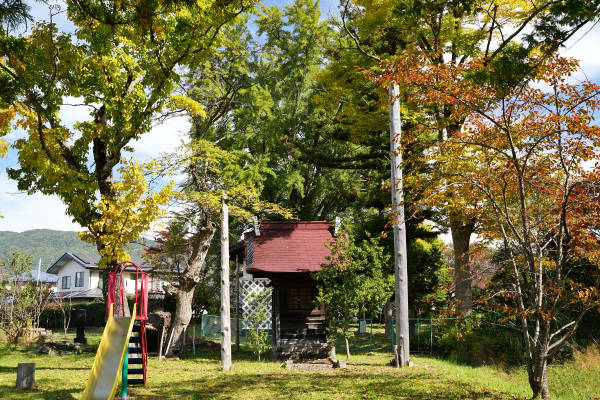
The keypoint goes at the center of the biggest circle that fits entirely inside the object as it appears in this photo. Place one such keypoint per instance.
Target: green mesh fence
(362, 339)
(422, 333)
(366, 336)
(210, 328)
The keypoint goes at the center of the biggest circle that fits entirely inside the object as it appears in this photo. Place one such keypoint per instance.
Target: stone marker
(25, 375)
(80, 338)
(362, 326)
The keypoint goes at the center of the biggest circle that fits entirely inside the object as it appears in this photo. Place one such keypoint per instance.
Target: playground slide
(106, 371)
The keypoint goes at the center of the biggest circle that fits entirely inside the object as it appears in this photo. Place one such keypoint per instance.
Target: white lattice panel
(255, 286)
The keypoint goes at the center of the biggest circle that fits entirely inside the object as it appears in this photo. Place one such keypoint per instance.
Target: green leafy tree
(209, 173)
(272, 114)
(260, 306)
(526, 157)
(13, 14)
(22, 298)
(409, 38)
(352, 282)
(352, 135)
(236, 142)
(122, 63)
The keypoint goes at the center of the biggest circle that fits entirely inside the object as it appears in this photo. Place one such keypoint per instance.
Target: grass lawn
(367, 377)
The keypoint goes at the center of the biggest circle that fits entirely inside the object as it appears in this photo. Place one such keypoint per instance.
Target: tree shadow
(12, 392)
(320, 385)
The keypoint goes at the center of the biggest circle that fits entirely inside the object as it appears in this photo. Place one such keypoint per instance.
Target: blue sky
(24, 212)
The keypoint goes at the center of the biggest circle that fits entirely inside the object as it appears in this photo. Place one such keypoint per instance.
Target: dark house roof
(94, 293)
(288, 246)
(35, 276)
(91, 262)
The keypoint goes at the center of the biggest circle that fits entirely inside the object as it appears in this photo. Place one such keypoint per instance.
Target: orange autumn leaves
(524, 155)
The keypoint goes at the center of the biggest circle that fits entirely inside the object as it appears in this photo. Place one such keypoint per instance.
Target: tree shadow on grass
(243, 355)
(319, 385)
(11, 392)
(8, 370)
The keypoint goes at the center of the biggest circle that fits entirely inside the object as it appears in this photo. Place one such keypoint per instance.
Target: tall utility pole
(400, 270)
(225, 302)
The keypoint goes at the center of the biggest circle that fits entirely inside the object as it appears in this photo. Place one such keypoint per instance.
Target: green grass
(367, 377)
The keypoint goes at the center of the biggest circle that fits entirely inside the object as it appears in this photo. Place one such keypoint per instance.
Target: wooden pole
(401, 275)
(237, 304)
(169, 343)
(194, 339)
(160, 345)
(225, 301)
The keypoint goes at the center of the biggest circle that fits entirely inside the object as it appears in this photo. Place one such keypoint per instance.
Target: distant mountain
(49, 245)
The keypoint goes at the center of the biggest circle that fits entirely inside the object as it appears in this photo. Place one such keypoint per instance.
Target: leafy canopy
(121, 64)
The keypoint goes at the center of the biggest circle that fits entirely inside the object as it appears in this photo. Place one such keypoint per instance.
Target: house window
(299, 299)
(100, 280)
(66, 282)
(78, 279)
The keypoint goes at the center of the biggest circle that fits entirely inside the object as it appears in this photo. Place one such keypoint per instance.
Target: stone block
(26, 375)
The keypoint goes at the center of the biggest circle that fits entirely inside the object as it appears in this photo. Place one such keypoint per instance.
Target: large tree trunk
(188, 281)
(183, 316)
(538, 374)
(388, 313)
(461, 238)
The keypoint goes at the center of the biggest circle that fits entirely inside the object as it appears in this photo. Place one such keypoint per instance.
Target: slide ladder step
(135, 361)
(135, 381)
(135, 371)
(135, 350)
(135, 339)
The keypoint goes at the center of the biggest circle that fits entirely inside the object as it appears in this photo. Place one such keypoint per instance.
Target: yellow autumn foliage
(3, 148)
(186, 103)
(6, 117)
(127, 214)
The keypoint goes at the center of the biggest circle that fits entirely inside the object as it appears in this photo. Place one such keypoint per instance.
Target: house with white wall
(79, 277)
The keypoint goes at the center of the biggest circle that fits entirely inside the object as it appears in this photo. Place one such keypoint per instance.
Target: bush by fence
(52, 317)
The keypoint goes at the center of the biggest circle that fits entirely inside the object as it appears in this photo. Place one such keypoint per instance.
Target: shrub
(95, 315)
(478, 345)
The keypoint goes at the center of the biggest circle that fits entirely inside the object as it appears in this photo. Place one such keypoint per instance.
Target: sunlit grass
(367, 377)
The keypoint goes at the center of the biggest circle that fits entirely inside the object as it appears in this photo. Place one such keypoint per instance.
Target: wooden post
(237, 304)
(401, 274)
(194, 339)
(169, 342)
(225, 301)
(275, 320)
(160, 345)
(26, 375)
(80, 338)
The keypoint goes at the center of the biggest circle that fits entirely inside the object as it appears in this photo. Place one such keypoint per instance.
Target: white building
(80, 278)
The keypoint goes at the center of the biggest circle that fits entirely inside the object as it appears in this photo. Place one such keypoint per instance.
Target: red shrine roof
(288, 246)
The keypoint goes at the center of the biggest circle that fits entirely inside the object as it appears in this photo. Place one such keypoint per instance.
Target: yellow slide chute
(106, 371)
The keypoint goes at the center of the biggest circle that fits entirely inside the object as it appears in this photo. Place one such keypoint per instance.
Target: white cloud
(163, 138)
(23, 212)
